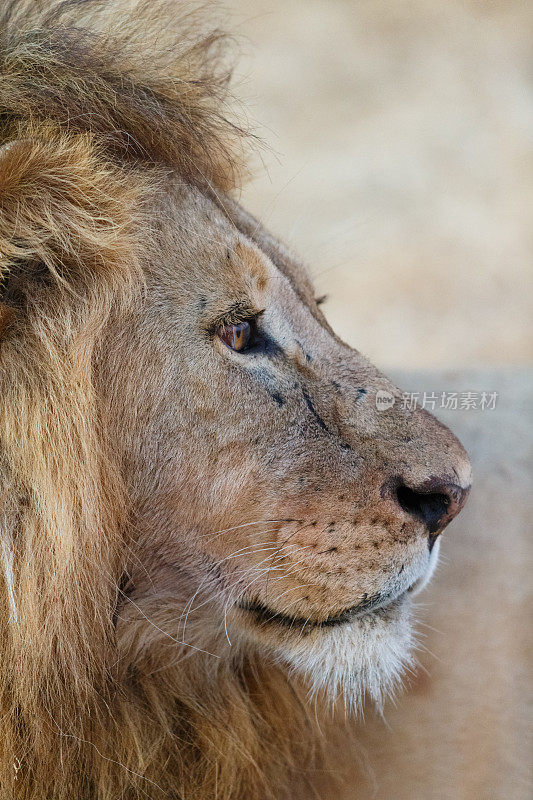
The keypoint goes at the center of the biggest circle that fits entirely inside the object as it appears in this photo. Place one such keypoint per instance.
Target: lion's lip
(264, 615)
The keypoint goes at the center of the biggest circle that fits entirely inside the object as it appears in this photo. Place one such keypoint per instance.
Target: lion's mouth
(264, 615)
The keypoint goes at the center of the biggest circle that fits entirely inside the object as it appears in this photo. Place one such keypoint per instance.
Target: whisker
(106, 758)
(291, 589)
(216, 534)
(165, 633)
(190, 603)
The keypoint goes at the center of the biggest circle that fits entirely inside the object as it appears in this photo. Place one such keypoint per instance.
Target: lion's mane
(95, 107)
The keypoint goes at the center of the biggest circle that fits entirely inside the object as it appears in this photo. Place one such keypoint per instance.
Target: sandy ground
(399, 164)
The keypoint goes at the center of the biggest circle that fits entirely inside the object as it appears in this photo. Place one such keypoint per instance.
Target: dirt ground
(398, 162)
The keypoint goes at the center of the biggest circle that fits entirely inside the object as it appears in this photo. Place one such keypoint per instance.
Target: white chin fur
(350, 662)
(432, 563)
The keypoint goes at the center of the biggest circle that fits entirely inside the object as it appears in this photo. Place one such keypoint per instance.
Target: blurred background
(398, 164)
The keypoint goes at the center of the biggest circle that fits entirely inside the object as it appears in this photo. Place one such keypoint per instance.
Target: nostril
(435, 502)
(429, 507)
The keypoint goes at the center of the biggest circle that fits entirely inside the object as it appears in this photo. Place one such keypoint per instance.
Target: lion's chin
(364, 658)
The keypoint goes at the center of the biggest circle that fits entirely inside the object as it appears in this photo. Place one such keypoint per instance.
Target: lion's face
(273, 502)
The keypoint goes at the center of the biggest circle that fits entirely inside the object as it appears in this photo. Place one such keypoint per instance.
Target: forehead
(213, 247)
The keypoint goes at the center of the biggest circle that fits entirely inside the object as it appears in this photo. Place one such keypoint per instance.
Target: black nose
(435, 503)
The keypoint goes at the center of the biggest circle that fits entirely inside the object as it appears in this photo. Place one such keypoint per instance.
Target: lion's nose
(435, 503)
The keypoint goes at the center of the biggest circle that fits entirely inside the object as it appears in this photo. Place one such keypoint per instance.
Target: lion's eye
(235, 336)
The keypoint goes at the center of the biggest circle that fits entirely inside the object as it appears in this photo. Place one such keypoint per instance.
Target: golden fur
(158, 489)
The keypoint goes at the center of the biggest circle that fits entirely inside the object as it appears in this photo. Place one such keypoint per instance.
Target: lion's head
(200, 489)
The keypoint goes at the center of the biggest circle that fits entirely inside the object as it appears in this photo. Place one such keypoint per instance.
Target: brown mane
(90, 121)
(148, 83)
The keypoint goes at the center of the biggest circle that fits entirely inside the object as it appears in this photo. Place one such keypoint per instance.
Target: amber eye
(235, 336)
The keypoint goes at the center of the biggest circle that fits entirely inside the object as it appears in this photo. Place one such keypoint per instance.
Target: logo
(384, 400)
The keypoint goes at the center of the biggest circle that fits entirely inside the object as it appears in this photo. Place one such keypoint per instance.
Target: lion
(215, 514)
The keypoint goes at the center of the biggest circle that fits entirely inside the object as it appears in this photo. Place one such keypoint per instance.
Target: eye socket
(237, 336)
